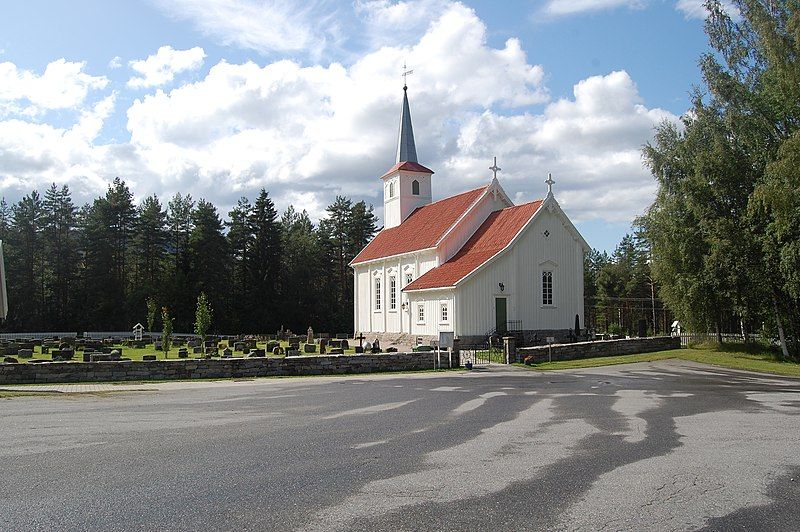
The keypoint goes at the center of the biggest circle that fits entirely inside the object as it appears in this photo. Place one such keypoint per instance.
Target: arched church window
(415, 187)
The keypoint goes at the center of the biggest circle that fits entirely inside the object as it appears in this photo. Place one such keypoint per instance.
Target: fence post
(510, 345)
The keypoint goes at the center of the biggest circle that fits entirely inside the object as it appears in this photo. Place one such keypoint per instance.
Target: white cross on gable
(494, 168)
(550, 184)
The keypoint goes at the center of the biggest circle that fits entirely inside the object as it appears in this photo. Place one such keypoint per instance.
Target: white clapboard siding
(519, 269)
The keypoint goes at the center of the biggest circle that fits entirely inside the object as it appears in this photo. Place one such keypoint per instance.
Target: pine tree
(264, 263)
(60, 246)
(208, 250)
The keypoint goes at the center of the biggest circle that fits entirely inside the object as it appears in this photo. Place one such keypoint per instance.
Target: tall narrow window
(392, 293)
(377, 293)
(444, 313)
(421, 313)
(547, 288)
(409, 278)
(391, 189)
(415, 187)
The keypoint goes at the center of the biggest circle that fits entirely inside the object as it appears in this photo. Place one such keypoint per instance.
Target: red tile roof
(491, 237)
(409, 167)
(421, 230)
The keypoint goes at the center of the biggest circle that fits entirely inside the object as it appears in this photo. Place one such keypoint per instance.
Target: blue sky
(303, 98)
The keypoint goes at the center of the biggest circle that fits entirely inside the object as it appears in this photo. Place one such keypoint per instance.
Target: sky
(219, 98)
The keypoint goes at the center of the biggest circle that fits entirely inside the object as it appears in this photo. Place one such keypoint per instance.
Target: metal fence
(37, 335)
(728, 338)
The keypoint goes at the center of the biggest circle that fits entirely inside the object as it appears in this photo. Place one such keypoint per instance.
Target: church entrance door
(500, 315)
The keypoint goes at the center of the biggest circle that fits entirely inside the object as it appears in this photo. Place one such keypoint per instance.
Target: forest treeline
(94, 267)
(724, 230)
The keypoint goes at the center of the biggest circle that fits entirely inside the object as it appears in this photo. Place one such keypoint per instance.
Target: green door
(500, 315)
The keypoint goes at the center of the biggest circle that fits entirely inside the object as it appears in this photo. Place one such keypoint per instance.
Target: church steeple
(407, 185)
(406, 149)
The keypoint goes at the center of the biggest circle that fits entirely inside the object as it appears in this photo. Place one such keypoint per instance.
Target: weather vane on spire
(494, 168)
(550, 184)
(405, 74)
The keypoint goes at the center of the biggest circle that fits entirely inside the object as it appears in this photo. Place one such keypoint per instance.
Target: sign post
(446, 340)
(550, 340)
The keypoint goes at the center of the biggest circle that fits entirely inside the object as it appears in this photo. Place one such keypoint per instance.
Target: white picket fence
(728, 338)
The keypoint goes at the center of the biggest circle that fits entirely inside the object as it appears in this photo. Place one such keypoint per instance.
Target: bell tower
(407, 185)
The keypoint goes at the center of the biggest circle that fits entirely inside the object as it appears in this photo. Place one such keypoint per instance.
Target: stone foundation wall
(62, 372)
(603, 348)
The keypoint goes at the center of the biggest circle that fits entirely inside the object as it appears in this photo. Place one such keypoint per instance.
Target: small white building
(473, 263)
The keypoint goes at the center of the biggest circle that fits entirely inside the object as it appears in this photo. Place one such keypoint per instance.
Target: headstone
(345, 344)
(277, 350)
(148, 357)
(197, 350)
(238, 346)
(183, 353)
(227, 352)
(10, 360)
(310, 348)
(271, 346)
(310, 335)
(322, 348)
(292, 353)
(25, 353)
(391, 350)
(115, 354)
(337, 351)
(359, 350)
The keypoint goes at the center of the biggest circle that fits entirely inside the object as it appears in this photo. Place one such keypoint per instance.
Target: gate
(484, 353)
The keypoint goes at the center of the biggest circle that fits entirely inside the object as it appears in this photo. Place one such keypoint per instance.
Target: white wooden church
(473, 263)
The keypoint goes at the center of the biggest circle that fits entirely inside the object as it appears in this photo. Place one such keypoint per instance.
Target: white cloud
(160, 68)
(261, 25)
(63, 85)
(307, 133)
(571, 7)
(115, 62)
(696, 9)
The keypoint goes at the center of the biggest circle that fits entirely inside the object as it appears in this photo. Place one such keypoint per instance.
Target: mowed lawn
(731, 356)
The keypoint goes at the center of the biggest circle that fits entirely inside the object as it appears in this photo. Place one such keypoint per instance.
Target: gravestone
(271, 346)
(277, 350)
(115, 354)
(292, 353)
(391, 350)
(359, 350)
(25, 353)
(10, 360)
(183, 352)
(310, 348)
(227, 352)
(310, 335)
(197, 349)
(148, 358)
(337, 351)
(238, 346)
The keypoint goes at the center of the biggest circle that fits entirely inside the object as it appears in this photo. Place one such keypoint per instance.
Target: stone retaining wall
(61, 372)
(603, 348)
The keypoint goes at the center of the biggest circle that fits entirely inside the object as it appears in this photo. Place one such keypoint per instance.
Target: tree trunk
(745, 334)
(781, 335)
(718, 326)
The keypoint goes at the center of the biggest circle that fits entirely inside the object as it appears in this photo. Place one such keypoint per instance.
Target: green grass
(732, 356)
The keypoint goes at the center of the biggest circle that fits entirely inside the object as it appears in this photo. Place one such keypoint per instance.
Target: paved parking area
(663, 445)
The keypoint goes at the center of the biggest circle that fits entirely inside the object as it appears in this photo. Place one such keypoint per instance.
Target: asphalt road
(663, 446)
